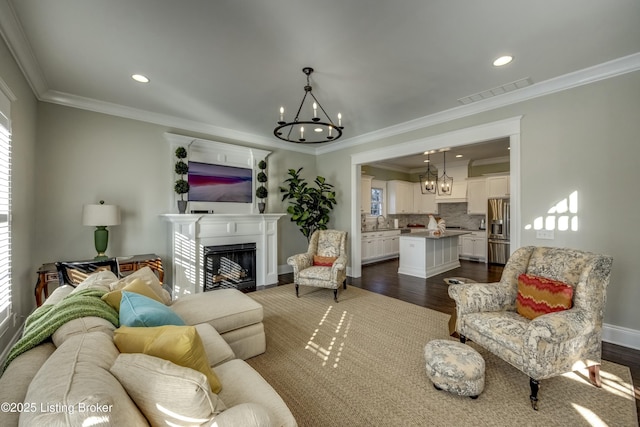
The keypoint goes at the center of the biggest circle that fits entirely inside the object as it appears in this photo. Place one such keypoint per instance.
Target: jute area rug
(360, 363)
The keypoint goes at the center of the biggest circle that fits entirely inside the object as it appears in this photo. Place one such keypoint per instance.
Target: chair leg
(344, 284)
(594, 375)
(297, 296)
(335, 295)
(534, 384)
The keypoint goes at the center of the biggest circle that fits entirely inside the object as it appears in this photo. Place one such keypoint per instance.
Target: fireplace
(230, 266)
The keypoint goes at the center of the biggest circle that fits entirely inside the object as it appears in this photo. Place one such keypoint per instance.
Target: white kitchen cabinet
(498, 186)
(477, 196)
(365, 193)
(399, 197)
(458, 193)
(380, 245)
(474, 246)
(423, 203)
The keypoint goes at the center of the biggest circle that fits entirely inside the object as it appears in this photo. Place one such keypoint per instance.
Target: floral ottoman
(455, 367)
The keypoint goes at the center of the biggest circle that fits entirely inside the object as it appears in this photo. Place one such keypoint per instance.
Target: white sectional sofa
(79, 377)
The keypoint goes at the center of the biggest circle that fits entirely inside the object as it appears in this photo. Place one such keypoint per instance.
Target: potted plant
(182, 186)
(309, 207)
(262, 192)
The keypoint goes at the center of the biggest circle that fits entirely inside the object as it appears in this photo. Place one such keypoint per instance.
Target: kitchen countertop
(428, 235)
(380, 229)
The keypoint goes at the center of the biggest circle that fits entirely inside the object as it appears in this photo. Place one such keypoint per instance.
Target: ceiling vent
(508, 87)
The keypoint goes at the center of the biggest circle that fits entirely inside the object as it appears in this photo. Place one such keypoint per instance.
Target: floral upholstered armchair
(554, 342)
(325, 262)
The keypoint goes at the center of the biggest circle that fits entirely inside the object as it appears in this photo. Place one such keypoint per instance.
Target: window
(376, 201)
(5, 211)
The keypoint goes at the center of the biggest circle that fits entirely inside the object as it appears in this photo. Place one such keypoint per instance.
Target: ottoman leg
(437, 388)
(298, 296)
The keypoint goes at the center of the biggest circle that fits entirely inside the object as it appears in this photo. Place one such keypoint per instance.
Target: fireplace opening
(230, 266)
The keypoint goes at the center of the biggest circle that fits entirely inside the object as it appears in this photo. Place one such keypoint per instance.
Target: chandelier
(429, 180)
(445, 182)
(316, 130)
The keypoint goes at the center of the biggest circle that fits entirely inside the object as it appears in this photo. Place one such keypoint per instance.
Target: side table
(48, 274)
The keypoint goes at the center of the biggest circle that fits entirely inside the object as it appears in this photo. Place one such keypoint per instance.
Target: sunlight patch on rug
(324, 352)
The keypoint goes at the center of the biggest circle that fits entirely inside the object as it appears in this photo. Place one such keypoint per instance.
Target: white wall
(585, 140)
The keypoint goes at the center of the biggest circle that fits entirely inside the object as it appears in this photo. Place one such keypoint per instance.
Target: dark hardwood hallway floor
(383, 278)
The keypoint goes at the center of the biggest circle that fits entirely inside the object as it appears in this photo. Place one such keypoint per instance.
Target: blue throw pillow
(139, 310)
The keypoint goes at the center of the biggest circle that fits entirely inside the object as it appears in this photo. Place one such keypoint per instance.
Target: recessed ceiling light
(458, 155)
(503, 60)
(426, 161)
(140, 78)
(318, 129)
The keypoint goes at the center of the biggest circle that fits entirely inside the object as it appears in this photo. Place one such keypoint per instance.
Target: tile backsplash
(454, 214)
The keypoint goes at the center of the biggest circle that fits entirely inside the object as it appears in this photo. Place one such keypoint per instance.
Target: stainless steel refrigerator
(499, 224)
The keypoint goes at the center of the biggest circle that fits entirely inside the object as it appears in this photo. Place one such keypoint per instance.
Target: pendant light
(445, 182)
(428, 180)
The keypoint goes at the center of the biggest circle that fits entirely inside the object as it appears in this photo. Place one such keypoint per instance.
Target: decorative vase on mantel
(262, 206)
(182, 206)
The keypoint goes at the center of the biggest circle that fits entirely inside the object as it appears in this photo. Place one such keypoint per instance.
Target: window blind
(5, 212)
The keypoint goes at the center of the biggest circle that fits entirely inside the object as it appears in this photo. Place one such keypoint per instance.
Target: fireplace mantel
(190, 233)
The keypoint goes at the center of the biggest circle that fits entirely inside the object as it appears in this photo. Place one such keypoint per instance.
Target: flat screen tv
(218, 183)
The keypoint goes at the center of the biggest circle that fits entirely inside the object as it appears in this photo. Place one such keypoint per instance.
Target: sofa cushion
(147, 276)
(238, 377)
(224, 309)
(82, 325)
(74, 387)
(245, 415)
(539, 295)
(101, 279)
(217, 349)
(179, 344)
(16, 379)
(167, 394)
(137, 286)
(138, 310)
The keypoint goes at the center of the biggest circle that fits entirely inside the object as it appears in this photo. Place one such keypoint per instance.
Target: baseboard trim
(619, 335)
(285, 269)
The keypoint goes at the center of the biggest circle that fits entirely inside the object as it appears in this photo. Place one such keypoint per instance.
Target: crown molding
(19, 46)
(493, 161)
(606, 70)
(118, 110)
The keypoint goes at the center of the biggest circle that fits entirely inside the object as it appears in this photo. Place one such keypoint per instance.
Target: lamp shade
(100, 215)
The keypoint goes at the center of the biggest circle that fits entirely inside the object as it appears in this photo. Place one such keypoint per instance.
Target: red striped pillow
(539, 295)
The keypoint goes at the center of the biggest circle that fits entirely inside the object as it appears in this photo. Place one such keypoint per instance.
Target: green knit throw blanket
(46, 319)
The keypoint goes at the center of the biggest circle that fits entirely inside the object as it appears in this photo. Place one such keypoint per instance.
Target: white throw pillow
(147, 276)
(167, 394)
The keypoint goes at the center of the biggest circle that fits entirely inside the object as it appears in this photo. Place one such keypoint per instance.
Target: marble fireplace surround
(231, 223)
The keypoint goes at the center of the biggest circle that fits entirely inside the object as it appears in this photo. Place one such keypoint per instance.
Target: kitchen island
(425, 255)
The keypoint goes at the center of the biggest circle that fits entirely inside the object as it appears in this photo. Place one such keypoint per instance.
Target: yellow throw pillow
(178, 344)
(137, 286)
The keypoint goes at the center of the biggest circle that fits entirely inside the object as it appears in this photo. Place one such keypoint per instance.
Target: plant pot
(261, 206)
(182, 206)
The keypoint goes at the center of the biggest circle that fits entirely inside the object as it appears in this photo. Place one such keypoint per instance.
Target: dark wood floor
(383, 278)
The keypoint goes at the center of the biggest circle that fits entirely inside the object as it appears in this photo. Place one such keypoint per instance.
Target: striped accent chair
(549, 344)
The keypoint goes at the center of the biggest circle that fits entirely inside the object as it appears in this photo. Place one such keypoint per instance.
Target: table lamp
(101, 216)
